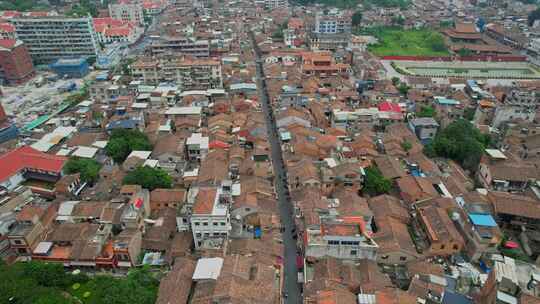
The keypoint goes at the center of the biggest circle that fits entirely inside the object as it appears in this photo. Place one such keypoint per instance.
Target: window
(222, 223)
(402, 258)
(197, 223)
(332, 242)
(18, 242)
(215, 223)
(353, 252)
(455, 247)
(205, 223)
(384, 257)
(206, 234)
(198, 235)
(442, 246)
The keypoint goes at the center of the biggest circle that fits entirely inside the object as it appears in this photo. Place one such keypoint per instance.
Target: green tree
(403, 89)
(406, 145)
(149, 178)
(426, 111)
(356, 18)
(122, 142)
(460, 141)
(375, 183)
(395, 81)
(464, 52)
(87, 167)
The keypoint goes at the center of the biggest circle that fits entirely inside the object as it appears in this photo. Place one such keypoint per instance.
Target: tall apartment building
(49, 38)
(186, 72)
(182, 45)
(127, 11)
(15, 63)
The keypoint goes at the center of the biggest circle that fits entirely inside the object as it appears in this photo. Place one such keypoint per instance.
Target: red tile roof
(27, 157)
(389, 107)
(7, 43)
(7, 27)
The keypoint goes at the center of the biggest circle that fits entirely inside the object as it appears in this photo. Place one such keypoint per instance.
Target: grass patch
(395, 41)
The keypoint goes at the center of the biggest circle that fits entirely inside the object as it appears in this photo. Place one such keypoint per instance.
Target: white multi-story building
(273, 4)
(197, 146)
(127, 11)
(49, 38)
(332, 22)
(210, 217)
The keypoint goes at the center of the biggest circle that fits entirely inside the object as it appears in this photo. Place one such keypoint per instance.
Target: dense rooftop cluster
(407, 165)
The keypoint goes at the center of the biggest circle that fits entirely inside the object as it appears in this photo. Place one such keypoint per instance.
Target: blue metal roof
(482, 220)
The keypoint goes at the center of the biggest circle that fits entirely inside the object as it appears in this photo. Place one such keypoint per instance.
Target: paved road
(291, 288)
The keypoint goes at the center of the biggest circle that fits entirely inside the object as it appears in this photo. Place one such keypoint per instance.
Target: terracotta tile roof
(27, 157)
(167, 196)
(389, 206)
(513, 204)
(204, 203)
(175, 287)
(8, 43)
(28, 213)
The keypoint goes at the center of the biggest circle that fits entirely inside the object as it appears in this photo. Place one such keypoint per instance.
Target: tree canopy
(426, 111)
(375, 183)
(122, 142)
(88, 168)
(356, 18)
(460, 141)
(49, 283)
(149, 178)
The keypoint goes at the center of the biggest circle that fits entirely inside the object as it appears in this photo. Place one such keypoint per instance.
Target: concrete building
(425, 128)
(210, 218)
(197, 146)
(187, 73)
(520, 105)
(15, 63)
(180, 45)
(332, 22)
(273, 4)
(127, 11)
(49, 38)
(345, 238)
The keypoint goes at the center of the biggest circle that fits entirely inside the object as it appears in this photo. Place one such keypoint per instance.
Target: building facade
(188, 74)
(15, 63)
(50, 38)
(182, 45)
(128, 12)
(210, 218)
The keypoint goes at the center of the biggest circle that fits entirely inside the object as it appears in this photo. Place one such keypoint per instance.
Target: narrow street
(291, 287)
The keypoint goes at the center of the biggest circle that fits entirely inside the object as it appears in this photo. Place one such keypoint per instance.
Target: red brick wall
(17, 65)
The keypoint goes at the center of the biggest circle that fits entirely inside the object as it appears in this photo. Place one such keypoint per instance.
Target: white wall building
(210, 218)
